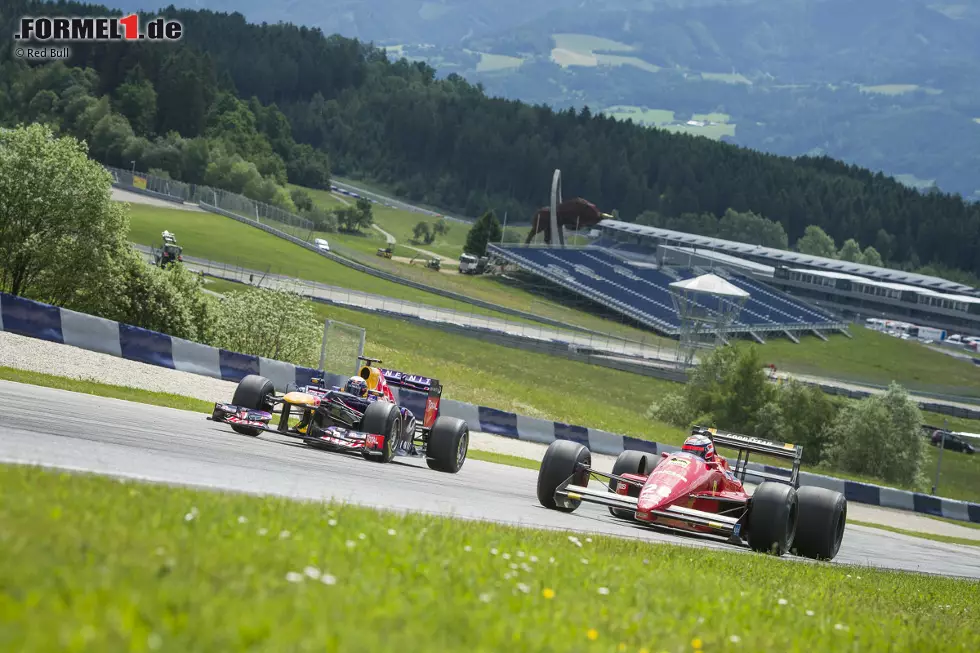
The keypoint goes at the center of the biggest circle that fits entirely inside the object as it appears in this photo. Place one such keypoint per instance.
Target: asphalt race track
(111, 436)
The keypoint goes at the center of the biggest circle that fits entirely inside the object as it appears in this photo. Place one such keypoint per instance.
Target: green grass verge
(93, 563)
(928, 536)
(876, 358)
(955, 521)
(105, 390)
(503, 459)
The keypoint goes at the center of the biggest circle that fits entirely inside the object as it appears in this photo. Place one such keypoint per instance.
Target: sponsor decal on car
(374, 441)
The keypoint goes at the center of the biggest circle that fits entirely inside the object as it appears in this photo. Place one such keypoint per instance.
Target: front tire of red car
(560, 461)
(772, 519)
(629, 462)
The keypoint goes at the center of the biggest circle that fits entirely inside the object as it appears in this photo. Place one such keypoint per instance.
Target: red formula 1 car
(699, 492)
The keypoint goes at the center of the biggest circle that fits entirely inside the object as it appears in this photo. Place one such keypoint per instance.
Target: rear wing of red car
(746, 444)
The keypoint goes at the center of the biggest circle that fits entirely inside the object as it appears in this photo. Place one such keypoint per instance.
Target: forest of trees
(257, 105)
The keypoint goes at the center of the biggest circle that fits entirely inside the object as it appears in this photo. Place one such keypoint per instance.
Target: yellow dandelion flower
(696, 643)
(548, 593)
(593, 634)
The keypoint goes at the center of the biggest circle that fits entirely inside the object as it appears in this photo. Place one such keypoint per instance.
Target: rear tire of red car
(251, 393)
(449, 441)
(382, 418)
(559, 462)
(820, 531)
(773, 516)
(629, 462)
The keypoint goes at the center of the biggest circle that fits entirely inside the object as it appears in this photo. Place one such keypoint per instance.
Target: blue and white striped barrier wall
(37, 320)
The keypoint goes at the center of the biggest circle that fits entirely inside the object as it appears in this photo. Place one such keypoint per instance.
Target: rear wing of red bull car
(746, 444)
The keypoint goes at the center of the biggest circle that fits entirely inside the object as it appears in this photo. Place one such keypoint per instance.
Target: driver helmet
(356, 386)
(701, 446)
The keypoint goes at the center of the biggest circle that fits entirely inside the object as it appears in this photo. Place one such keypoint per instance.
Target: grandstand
(850, 289)
(638, 289)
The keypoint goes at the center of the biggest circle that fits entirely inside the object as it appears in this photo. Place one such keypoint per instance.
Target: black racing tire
(629, 462)
(252, 392)
(382, 418)
(448, 444)
(772, 519)
(558, 464)
(823, 516)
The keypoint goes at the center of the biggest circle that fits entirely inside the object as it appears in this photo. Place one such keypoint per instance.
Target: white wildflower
(327, 579)
(283, 535)
(604, 591)
(392, 531)
(485, 598)
(524, 588)
(331, 522)
(782, 601)
(312, 572)
(242, 519)
(294, 577)
(467, 548)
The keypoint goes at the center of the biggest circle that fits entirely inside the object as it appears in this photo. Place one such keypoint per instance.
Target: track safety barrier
(43, 321)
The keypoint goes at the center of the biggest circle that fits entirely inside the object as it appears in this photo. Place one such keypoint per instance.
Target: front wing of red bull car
(329, 418)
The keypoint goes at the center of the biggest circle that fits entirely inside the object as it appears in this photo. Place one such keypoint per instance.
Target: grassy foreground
(92, 563)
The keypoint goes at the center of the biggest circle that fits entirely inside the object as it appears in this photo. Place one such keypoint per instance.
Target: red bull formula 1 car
(697, 491)
(371, 424)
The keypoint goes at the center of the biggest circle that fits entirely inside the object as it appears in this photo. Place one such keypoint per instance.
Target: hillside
(304, 105)
(885, 84)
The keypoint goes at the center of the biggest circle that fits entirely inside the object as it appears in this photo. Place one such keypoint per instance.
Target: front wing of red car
(679, 516)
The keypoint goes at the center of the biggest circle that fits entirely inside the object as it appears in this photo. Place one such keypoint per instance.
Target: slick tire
(560, 462)
(772, 519)
(252, 392)
(449, 441)
(382, 418)
(820, 531)
(629, 462)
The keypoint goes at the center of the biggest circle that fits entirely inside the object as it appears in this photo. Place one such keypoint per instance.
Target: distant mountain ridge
(886, 84)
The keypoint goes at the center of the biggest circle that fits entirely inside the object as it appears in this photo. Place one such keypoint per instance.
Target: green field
(876, 358)
(494, 62)
(619, 60)
(92, 563)
(640, 115)
(712, 117)
(221, 239)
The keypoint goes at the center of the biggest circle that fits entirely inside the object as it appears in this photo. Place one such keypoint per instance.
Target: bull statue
(573, 214)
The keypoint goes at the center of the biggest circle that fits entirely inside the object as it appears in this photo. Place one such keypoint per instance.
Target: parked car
(954, 442)
(321, 244)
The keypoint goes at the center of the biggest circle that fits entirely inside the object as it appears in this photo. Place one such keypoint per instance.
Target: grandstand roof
(773, 254)
(733, 261)
(711, 284)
